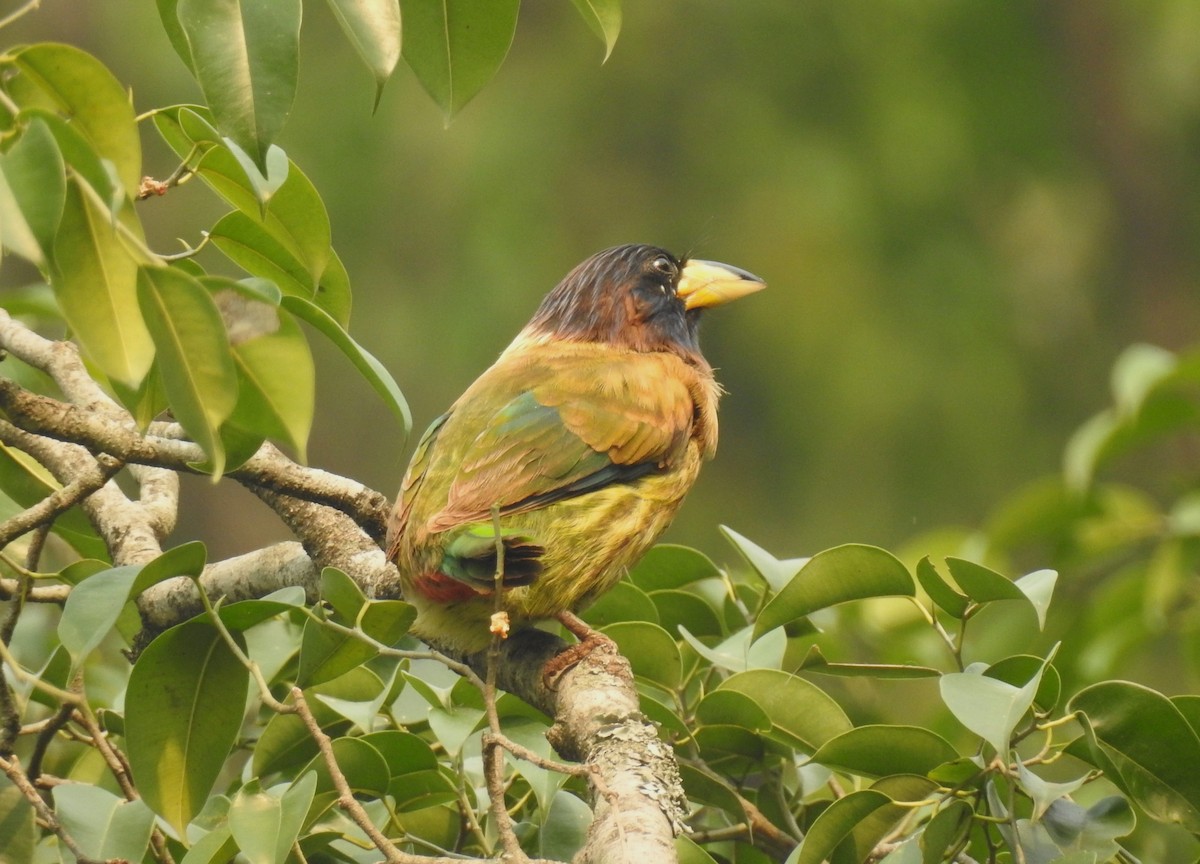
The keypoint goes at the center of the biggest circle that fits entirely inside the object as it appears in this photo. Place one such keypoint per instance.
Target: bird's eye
(663, 265)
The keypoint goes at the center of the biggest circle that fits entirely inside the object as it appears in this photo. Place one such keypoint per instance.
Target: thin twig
(59, 501)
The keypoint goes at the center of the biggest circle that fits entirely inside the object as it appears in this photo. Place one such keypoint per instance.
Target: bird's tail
(471, 557)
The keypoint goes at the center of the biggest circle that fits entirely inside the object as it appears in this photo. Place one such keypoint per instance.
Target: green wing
(574, 428)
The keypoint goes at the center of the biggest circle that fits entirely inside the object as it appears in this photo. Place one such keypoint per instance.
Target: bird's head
(639, 297)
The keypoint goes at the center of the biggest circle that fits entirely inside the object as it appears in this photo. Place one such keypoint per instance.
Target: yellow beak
(707, 283)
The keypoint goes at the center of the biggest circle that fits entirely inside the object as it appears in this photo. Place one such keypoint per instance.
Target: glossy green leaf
(373, 28)
(32, 193)
(677, 609)
(946, 831)
(774, 572)
(250, 613)
(1038, 588)
(738, 653)
(198, 372)
(835, 824)
(651, 651)
(403, 752)
(707, 788)
(78, 86)
(814, 661)
(1148, 740)
(285, 743)
(939, 591)
(215, 847)
(453, 725)
(1020, 668)
(982, 584)
(418, 790)
(169, 17)
(342, 593)
(247, 243)
(731, 708)
(668, 566)
(877, 751)
(17, 823)
(26, 482)
(455, 47)
(803, 714)
(326, 653)
(105, 827)
(875, 826)
(1092, 831)
(186, 559)
(245, 54)
(1043, 793)
(386, 621)
(92, 609)
(604, 19)
(987, 706)
(370, 368)
(624, 602)
(266, 826)
(730, 750)
(95, 280)
(184, 708)
(564, 827)
(838, 575)
(333, 290)
(277, 385)
(689, 852)
(359, 711)
(1137, 372)
(360, 763)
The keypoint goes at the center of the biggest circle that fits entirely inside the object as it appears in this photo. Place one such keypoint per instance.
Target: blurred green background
(964, 211)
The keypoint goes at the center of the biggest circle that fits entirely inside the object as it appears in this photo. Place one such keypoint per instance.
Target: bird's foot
(567, 659)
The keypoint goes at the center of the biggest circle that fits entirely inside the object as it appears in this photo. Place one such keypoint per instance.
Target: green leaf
(78, 86)
(738, 653)
(342, 593)
(939, 591)
(370, 368)
(945, 831)
(32, 192)
(679, 608)
(373, 28)
(982, 584)
(17, 823)
(26, 482)
(276, 385)
(92, 609)
(286, 743)
(814, 661)
(186, 559)
(198, 372)
(774, 572)
(731, 708)
(651, 651)
(248, 243)
(838, 575)
(215, 847)
(245, 54)
(1020, 668)
(326, 653)
(169, 16)
(625, 602)
(667, 566)
(987, 706)
(1137, 373)
(183, 711)
(802, 714)
(455, 47)
(706, 788)
(1038, 588)
(835, 824)
(604, 19)
(403, 752)
(360, 763)
(877, 751)
(1148, 740)
(105, 827)
(1092, 831)
(265, 825)
(95, 281)
(564, 827)
(1043, 793)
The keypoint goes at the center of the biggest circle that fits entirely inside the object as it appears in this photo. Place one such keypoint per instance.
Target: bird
(560, 466)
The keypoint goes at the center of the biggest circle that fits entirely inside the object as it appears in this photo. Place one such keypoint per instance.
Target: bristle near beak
(708, 283)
